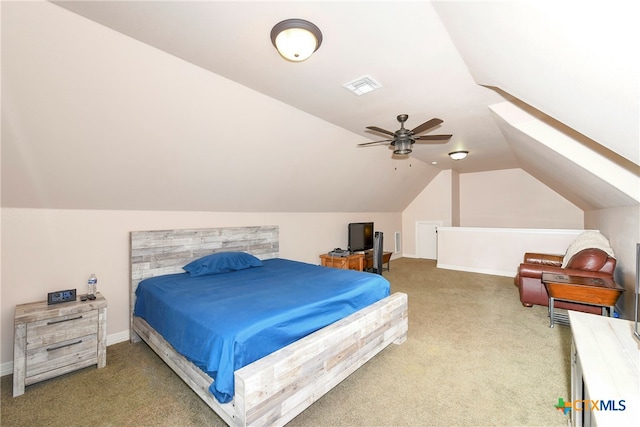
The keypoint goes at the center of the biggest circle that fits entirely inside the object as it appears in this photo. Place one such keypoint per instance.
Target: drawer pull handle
(53, 322)
(64, 345)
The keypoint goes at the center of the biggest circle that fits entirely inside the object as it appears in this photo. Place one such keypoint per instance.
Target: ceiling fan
(403, 139)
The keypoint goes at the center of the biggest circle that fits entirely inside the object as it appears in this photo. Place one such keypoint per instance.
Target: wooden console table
(359, 262)
(601, 292)
(604, 369)
(349, 262)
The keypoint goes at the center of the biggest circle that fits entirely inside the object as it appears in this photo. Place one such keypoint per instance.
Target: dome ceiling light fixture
(296, 39)
(458, 155)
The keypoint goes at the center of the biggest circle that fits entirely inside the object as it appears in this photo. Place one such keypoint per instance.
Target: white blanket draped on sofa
(587, 240)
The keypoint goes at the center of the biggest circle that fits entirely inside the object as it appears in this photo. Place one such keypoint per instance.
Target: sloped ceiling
(401, 44)
(565, 160)
(100, 120)
(577, 130)
(577, 62)
(93, 119)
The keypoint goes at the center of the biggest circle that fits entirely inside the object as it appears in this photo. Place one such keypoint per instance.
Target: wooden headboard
(159, 252)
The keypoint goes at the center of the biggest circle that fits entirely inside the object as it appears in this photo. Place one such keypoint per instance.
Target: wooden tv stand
(349, 262)
(359, 261)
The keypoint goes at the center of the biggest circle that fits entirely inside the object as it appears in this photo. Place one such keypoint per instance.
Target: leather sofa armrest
(585, 273)
(543, 259)
(535, 270)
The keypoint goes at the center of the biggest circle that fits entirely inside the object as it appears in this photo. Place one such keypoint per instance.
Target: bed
(275, 388)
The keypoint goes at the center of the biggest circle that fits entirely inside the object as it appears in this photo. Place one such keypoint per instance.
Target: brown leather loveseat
(587, 263)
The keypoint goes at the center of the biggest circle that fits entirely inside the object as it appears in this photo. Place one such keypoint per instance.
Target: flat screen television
(360, 236)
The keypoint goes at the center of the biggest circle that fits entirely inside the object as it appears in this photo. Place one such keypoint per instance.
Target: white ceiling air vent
(362, 85)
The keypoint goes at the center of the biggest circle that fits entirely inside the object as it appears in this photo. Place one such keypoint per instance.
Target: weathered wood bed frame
(276, 388)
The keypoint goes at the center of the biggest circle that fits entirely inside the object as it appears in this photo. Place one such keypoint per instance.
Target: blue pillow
(221, 262)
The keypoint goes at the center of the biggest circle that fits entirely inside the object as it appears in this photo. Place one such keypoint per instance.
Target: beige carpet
(474, 357)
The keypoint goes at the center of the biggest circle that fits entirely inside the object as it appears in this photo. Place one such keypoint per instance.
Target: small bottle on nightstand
(92, 285)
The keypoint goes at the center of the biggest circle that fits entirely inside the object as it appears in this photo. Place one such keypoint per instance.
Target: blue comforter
(223, 322)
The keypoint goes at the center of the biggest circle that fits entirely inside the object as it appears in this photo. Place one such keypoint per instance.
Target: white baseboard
(118, 337)
(7, 368)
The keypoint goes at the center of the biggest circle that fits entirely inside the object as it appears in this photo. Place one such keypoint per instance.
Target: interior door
(427, 239)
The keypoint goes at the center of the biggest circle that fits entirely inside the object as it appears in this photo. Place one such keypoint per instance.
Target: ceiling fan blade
(377, 129)
(433, 137)
(426, 125)
(376, 142)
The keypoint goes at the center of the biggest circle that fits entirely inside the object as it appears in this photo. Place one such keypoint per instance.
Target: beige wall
(455, 199)
(513, 198)
(44, 250)
(505, 198)
(433, 204)
(93, 119)
(622, 227)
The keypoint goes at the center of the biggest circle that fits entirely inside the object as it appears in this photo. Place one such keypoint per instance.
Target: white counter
(606, 359)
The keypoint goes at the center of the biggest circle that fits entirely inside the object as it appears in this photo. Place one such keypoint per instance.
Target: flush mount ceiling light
(296, 39)
(458, 155)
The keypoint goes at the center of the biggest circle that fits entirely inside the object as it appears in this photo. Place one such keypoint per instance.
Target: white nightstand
(51, 340)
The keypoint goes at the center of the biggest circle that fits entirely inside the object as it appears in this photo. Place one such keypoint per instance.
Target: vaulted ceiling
(186, 105)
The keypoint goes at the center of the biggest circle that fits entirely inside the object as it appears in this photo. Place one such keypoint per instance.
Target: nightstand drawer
(63, 353)
(61, 329)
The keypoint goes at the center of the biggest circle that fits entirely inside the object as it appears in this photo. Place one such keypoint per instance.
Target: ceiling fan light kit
(458, 155)
(296, 39)
(402, 147)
